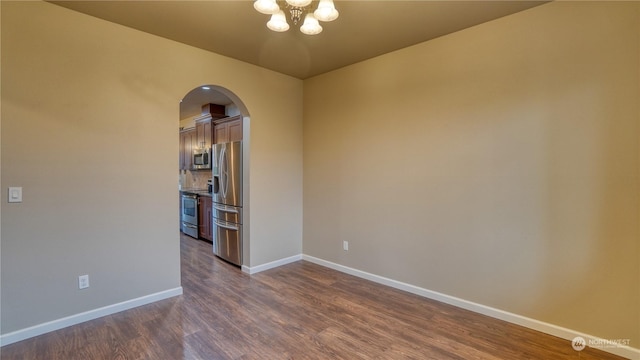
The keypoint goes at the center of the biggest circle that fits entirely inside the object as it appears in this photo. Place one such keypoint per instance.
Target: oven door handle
(225, 226)
(231, 211)
(189, 225)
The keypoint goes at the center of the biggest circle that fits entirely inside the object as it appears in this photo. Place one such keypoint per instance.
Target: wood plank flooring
(297, 311)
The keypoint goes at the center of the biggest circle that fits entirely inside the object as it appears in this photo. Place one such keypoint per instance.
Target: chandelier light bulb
(326, 11)
(268, 7)
(299, 3)
(278, 22)
(311, 26)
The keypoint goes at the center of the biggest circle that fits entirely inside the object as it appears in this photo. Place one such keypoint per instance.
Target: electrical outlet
(345, 245)
(83, 281)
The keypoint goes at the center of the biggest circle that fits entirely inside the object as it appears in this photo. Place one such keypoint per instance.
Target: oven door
(227, 241)
(189, 209)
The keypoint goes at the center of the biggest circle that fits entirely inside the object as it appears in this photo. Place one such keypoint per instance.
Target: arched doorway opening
(219, 109)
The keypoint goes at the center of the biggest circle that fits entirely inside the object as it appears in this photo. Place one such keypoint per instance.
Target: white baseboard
(564, 333)
(40, 329)
(271, 265)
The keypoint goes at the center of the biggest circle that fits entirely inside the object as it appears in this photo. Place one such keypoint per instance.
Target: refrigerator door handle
(224, 226)
(224, 178)
(215, 187)
(232, 211)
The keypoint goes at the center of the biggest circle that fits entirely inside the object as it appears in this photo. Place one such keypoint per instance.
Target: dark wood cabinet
(235, 129)
(220, 134)
(227, 129)
(188, 141)
(203, 133)
(205, 218)
(214, 110)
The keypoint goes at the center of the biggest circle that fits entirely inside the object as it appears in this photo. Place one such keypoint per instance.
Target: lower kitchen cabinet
(205, 218)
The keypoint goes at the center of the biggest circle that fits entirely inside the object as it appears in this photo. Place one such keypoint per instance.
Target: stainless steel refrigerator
(227, 201)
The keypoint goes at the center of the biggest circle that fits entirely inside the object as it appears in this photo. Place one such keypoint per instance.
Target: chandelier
(326, 11)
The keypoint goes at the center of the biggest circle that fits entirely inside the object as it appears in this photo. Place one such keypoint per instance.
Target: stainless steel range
(189, 214)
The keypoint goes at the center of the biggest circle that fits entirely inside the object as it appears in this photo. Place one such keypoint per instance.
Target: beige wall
(89, 130)
(508, 152)
(498, 164)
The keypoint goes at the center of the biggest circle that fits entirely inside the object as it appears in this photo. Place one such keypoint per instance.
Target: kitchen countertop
(199, 192)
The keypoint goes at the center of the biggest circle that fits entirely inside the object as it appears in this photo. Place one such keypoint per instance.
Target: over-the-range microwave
(201, 158)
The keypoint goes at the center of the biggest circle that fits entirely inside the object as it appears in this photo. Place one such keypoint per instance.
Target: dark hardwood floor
(297, 311)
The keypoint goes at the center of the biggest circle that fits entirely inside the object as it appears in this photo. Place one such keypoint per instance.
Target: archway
(194, 106)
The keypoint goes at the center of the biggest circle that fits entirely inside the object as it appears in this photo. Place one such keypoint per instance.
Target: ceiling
(364, 29)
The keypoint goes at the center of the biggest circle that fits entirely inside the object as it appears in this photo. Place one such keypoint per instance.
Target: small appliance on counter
(210, 186)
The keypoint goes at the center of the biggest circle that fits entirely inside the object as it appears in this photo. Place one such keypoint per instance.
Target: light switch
(15, 194)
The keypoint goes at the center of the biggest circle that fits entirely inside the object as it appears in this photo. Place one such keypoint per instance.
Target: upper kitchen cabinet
(200, 136)
(227, 129)
(203, 132)
(188, 141)
(204, 125)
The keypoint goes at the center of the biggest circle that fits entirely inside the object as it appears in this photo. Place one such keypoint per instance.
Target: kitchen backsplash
(193, 179)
